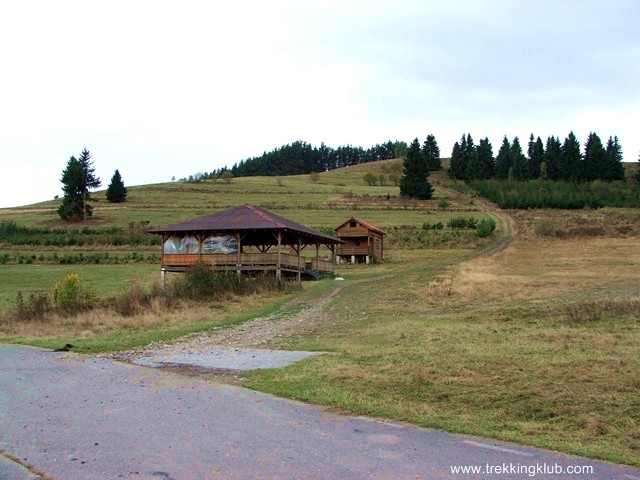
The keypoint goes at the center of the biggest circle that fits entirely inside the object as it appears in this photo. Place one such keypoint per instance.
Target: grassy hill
(530, 335)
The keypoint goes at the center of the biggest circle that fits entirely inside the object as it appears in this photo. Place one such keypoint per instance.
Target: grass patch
(487, 348)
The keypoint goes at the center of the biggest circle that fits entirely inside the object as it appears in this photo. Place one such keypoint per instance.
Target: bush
(461, 222)
(71, 294)
(485, 227)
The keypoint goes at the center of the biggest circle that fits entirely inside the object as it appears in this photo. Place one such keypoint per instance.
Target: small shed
(246, 238)
(363, 241)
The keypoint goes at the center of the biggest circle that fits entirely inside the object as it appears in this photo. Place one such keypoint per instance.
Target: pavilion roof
(247, 219)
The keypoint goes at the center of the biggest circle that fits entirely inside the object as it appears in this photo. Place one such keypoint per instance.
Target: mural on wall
(181, 244)
(176, 244)
(221, 244)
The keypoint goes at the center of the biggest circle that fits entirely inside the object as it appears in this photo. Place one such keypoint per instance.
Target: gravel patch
(223, 359)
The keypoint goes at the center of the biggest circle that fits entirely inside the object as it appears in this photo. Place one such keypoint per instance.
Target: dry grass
(537, 343)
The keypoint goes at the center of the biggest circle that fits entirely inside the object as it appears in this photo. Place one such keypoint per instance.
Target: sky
(161, 89)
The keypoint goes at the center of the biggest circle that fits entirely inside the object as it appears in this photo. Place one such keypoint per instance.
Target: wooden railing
(246, 261)
(351, 250)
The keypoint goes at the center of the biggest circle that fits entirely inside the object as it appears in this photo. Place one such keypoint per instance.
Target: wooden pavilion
(244, 239)
(362, 241)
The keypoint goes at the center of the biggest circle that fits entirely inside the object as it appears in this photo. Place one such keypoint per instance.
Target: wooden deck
(248, 262)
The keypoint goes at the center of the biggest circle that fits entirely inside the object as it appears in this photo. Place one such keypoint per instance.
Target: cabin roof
(370, 226)
(246, 218)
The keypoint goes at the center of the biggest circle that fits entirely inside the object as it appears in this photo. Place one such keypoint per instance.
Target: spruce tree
(455, 171)
(571, 159)
(414, 183)
(77, 179)
(485, 155)
(116, 192)
(431, 153)
(614, 170)
(595, 159)
(520, 165)
(504, 160)
(552, 159)
(535, 153)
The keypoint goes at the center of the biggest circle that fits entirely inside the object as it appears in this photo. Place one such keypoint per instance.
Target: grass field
(532, 335)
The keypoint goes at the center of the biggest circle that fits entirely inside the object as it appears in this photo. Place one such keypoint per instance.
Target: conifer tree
(414, 183)
(77, 179)
(637, 175)
(570, 159)
(520, 166)
(552, 159)
(455, 167)
(614, 170)
(595, 159)
(431, 153)
(116, 191)
(485, 155)
(535, 153)
(504, 159)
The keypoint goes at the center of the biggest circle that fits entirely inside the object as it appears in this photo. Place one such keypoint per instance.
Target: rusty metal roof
(246, 218)
(370, 226)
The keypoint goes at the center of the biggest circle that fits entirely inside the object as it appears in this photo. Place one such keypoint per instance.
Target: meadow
(530, 335)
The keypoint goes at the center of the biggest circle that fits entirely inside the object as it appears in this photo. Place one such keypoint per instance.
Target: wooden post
(279, 262)
(239, 258)
(299, 252)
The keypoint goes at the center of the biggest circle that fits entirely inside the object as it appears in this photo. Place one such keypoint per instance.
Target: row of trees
(301, 157)
(554, 161)
(78, 179)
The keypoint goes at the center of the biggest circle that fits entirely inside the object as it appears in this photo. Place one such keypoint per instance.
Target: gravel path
(251, 345)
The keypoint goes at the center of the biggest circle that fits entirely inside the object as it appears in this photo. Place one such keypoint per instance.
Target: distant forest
(301, 157)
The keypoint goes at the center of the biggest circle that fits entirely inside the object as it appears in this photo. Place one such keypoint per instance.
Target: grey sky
(159, 89)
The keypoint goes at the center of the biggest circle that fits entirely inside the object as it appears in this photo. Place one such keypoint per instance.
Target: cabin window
(352, 224)
(356, 243)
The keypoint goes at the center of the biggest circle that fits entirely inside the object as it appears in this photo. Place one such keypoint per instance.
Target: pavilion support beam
(239, 258)
(299, 252)
(279, 260)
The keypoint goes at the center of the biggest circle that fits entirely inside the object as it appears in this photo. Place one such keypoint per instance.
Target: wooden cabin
(244, 239)
(363, 242)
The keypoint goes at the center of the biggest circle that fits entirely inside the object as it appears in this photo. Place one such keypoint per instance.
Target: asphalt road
(69, 417)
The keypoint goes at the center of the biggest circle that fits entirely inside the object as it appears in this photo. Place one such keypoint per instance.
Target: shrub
(71, 294)
(461, 222)
(485, 227)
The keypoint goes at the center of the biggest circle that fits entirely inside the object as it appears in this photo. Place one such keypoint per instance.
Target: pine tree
(614, 170)
(595, 159)
(116, 191)
(535, 153)
(414, 183)
(77, 179)
(520, 165)
(504, 160)
(431, 153)
(637, 175)
(570, 159)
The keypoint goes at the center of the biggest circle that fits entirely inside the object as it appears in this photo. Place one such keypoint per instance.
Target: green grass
(104, 279)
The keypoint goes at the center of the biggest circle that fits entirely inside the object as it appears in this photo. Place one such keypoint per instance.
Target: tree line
(301, 157)
(555, 160)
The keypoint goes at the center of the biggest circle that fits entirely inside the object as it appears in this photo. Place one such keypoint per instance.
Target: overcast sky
(159, 89)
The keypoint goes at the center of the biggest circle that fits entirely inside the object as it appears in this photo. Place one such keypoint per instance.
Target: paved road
(69, 417)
